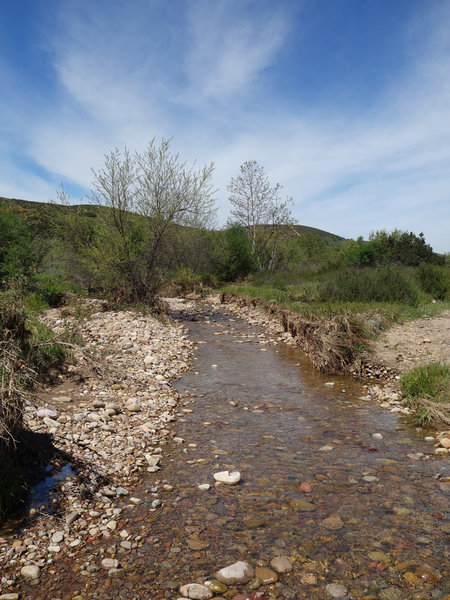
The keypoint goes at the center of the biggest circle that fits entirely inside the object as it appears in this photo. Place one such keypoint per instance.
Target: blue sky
(346, 103)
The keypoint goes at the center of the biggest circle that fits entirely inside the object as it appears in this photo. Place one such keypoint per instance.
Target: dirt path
(422, 341)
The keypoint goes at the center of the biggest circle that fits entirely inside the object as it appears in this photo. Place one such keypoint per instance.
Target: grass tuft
(427, 389)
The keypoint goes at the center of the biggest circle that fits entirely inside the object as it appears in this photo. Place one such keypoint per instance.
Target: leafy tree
(165, 194)
(357, 252)
(401, 247)
(257, 206)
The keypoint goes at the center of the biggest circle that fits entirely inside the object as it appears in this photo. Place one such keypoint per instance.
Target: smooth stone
(120, 491)
(57, 537)
(391, 593)
(204, 487)
(30, 572)
(217, 587)
(379, 556)
(114, 573)
(230, 478)
(134, 500)
(305, 487)
(9, 597)
(302, 505)
(336, 590)
(332, 523)
(196, 591)
(195, 544)
(110, 563)
(326, 448)
(370, 478)
(281, 564)
(266, 575)
(239, 572)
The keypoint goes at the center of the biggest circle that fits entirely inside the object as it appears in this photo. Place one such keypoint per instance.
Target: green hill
(92, 211)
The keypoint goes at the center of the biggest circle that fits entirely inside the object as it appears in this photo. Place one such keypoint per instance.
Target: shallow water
(261, 409)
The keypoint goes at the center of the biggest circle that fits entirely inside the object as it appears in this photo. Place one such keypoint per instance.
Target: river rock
(302, 505)
(30, 572)
(217, 587)
(239, 572)
(281, 564)
(57, 537)
(266, 575)
(230, 478)
(9, 597)
(332, 523)
(336, 590)
(110, 563)
(391, 593)
(196, 591)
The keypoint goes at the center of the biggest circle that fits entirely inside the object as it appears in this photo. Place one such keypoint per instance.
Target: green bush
(238, 259)
(51, 288)
(434, 280)
(383, 284)
(16, 244)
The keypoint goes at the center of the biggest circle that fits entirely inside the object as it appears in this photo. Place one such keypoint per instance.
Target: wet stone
(266, 575)
(239, 572)
(302, 505)
(281, 564)
(332, 523)
(391, 593)
(217, 587)
(196, 591)
(336, 590)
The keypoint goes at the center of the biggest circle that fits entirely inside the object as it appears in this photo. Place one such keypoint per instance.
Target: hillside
(92, 210)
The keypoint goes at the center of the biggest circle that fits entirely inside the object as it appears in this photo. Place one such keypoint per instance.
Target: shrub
(434, 280)
(378, 285)
(238, 258)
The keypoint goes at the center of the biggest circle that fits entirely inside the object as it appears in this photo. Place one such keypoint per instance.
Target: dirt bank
(418, 342)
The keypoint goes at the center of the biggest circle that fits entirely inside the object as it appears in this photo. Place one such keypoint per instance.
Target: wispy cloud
(202, 73)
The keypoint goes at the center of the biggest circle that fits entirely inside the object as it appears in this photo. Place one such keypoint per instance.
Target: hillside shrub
(434, 280)
(367, 285)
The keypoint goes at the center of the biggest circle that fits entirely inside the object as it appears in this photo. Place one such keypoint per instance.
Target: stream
(334, 482)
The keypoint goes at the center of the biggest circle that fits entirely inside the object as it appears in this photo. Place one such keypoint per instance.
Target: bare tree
(257, 206)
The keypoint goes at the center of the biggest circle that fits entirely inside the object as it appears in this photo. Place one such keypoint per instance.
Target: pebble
(230, 478)
(332, 523)
(196, 591)
(204, 487)
(281, 564)
(302, 505)
(266, 575)
(336, 590)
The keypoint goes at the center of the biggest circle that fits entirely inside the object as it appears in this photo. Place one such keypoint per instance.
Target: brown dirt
(403, 347)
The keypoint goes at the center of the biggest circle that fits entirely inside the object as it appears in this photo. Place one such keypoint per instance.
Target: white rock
(30, 572)
(152, 459)
(230, 478)
(136, 500)
(326, 448)
(239, 572)
(336, 590)
(196, 591)
(204, 487)
(57, 537)
(377, 436)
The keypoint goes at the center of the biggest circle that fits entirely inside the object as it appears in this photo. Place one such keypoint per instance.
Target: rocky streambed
(336, 498)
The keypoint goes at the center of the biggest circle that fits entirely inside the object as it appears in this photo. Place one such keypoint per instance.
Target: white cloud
(126, 75)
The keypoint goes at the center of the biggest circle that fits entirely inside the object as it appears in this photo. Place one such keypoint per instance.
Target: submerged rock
(239, 572)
